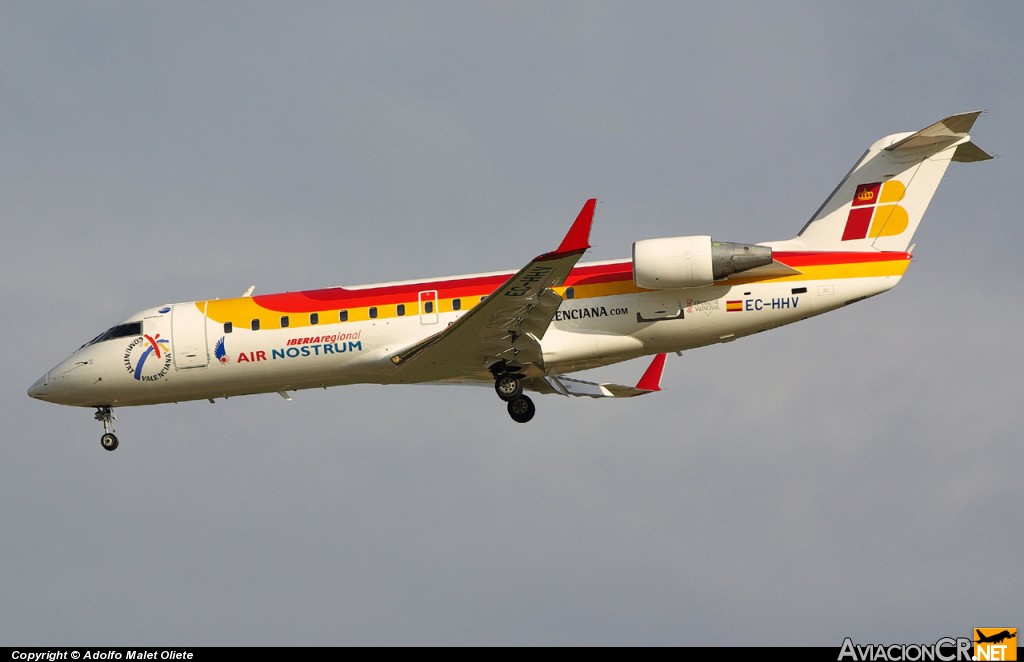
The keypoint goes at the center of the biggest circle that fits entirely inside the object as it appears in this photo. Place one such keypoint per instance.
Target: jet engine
(695, 261)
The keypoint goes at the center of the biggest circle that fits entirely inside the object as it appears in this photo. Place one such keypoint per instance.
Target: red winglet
(578, 237)
(651, 381)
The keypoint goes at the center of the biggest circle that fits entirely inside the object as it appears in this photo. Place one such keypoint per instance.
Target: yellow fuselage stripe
(243, 310)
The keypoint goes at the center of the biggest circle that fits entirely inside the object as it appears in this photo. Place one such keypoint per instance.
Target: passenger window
(570, 293)
(255, 325)
(314, 318)
(373, 312)
(343, 315)
(228, 327)
(400, 309)
(284, 322)
(456, 304)
(428, 306)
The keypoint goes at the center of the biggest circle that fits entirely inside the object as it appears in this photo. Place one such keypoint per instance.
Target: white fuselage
(185, 352)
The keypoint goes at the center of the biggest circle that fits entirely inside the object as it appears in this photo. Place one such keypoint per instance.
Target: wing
(504, 330)
(649, 383)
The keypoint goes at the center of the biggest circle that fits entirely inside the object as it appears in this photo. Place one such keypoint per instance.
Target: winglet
(578, 237)
(651, 381)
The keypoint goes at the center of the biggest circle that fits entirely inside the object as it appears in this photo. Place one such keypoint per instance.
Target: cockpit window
(120, 331)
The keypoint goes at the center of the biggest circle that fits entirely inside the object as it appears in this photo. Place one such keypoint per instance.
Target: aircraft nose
(39, 389)
(57, 385)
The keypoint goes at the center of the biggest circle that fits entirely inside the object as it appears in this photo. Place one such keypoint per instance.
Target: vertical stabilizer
(880, 202)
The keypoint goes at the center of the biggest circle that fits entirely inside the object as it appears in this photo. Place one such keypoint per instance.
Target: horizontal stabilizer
(649, 383)
(970, 153)
(943, 133)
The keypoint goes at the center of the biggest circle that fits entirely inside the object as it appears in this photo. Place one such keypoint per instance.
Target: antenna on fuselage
(248, 292)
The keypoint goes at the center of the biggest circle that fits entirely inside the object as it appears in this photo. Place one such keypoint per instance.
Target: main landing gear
(509, 387)
(521, 409)
(106, 416)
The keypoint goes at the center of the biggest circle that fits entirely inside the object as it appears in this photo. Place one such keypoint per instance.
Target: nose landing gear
(106, 416)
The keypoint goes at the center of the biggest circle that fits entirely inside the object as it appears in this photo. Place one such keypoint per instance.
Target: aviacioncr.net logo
(995, 644)
(946, 649)
(148, 358)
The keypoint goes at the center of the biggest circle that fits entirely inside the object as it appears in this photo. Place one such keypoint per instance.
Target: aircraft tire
(508, 387)
(521, 409)
(109, 441)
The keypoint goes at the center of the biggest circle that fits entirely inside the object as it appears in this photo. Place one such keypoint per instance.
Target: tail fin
(880, 202)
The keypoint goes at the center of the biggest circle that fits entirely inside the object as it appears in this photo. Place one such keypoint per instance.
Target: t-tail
(880, 202)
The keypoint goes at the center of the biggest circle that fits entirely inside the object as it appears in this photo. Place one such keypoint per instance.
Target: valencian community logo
(148, 358)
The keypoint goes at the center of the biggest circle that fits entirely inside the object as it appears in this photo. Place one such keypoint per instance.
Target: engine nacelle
(696, 261)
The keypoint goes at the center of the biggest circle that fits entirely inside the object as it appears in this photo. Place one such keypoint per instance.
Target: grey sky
(848, 476)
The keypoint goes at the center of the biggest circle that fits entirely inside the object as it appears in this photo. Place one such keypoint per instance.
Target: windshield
(120, 331)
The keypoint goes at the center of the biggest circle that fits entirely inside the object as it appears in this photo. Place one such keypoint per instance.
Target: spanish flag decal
(733, 306)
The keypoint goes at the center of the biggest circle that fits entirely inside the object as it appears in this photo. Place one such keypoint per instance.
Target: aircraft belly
(572, 347)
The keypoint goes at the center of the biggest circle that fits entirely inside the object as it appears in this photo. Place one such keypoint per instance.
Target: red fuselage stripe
(340, 297)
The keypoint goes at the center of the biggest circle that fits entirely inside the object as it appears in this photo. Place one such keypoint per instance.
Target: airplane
(997, 638)
(527, 330)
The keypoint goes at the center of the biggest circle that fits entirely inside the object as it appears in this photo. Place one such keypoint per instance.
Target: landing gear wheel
(508, 387)
(521, 409)
(105, 415)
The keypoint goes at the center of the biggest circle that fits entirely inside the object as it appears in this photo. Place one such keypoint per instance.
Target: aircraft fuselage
(285, 342)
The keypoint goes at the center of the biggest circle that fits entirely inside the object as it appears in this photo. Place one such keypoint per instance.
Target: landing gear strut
(106, 416)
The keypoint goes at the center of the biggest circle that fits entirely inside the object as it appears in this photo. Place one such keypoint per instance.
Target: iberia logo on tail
(874, 212)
